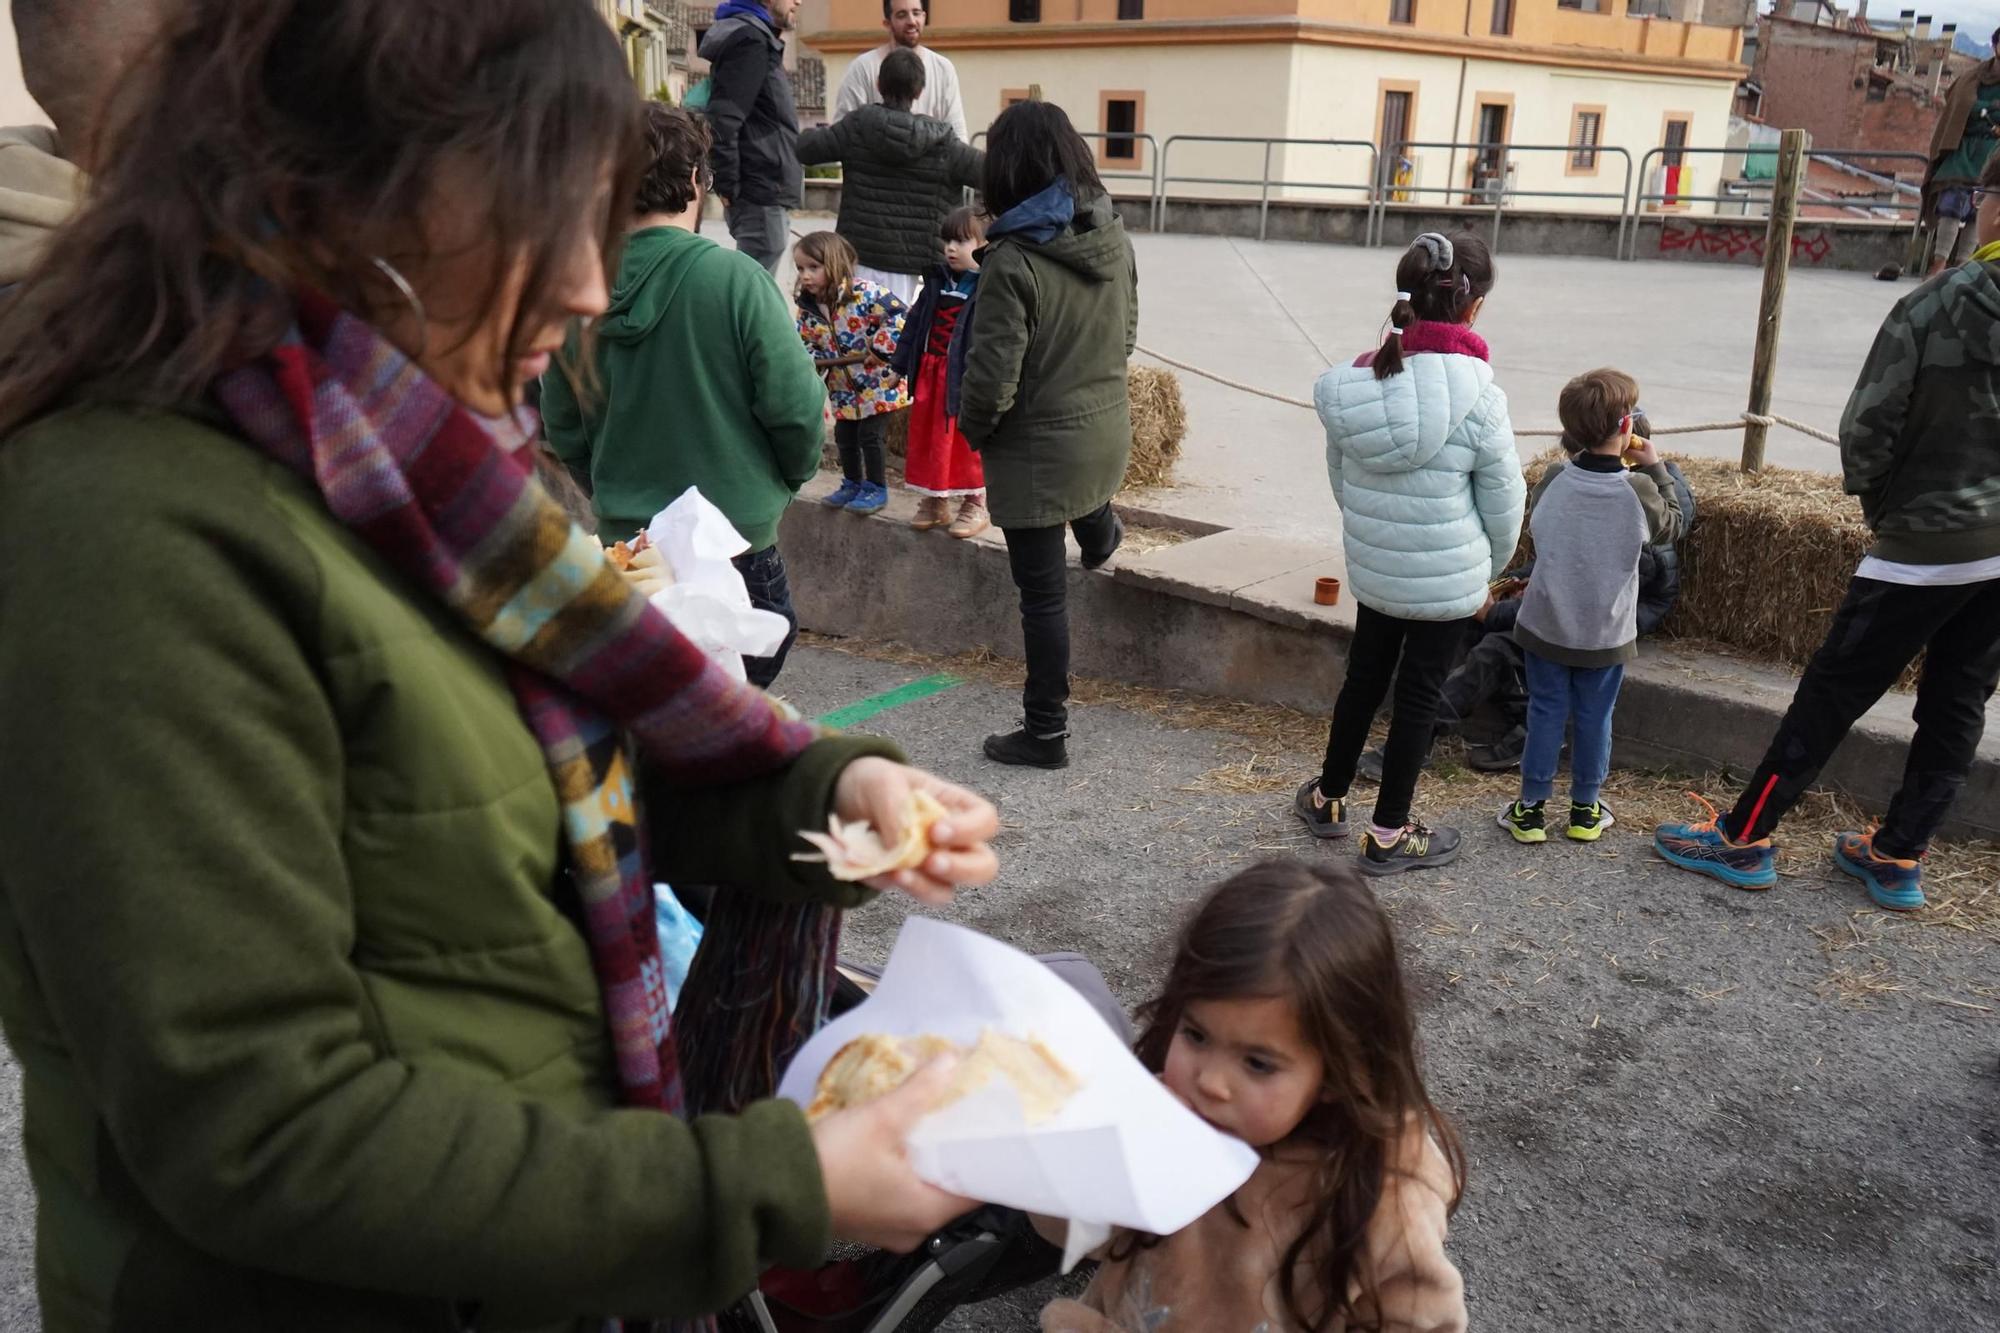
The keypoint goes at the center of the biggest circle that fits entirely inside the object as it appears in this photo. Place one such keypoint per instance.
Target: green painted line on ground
(888, 699)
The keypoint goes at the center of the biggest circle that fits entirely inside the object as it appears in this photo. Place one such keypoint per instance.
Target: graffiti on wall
(1712, 240)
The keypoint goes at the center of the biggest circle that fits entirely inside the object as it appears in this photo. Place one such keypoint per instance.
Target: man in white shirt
(904, 20)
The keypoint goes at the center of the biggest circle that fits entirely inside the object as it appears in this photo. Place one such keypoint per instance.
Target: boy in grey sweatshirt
(1578, 625)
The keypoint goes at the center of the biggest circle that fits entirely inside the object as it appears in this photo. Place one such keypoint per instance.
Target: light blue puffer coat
(1428, 483)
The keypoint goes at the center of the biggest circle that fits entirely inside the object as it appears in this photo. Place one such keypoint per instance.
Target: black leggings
(1878, 631)
(1414, 655)
(860, 446)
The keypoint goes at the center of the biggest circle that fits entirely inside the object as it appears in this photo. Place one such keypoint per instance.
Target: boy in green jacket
(1920, 445)
(701, 381)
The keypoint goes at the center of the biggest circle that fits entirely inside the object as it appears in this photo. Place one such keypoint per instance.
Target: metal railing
(1371, 187)
(1501, 188)
(1747, 190)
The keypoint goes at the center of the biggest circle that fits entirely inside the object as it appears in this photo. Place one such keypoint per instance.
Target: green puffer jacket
(1920, 441)
(1044, 397)
(309, 1039)
(900, 173)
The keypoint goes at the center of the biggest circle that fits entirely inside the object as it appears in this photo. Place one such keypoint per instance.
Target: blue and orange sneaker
(1705, 849)
(1894, 884)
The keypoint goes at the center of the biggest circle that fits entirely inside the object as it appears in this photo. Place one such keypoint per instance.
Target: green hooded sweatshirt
(702, 382)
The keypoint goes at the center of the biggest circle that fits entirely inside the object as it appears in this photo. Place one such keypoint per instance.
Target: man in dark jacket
(1920, 445)
(900, 174)
(756, 127)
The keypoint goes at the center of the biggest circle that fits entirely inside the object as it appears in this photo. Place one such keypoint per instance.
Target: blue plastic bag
(680, 936)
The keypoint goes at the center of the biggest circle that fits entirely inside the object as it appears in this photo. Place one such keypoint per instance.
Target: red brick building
(1852, 84)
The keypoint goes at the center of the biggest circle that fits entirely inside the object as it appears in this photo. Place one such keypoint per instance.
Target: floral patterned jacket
(870, 321)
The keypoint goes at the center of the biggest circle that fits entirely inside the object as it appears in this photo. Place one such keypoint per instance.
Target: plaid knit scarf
(601, 677)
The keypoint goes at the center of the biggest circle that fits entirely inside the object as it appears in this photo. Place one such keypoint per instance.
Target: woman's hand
(872, 1192)
(878, 791)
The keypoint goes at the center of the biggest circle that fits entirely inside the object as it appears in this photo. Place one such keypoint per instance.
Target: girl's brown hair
(294, 143)
(964, 223)
(833, 254)
(1439, 279)
(1314, 935)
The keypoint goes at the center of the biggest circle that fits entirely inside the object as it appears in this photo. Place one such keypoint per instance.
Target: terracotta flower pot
(1326, 591)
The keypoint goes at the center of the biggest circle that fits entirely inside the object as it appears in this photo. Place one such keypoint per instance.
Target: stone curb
(1230, 613)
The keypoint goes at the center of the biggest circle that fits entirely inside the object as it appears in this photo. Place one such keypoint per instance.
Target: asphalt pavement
(1685, 1107)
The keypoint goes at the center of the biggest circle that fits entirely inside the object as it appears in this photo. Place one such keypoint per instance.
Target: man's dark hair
(889, 8)
(902, 78)
(677, 146)
(1030, 146)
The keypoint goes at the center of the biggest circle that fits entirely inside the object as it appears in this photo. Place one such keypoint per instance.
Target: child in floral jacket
(851, 327)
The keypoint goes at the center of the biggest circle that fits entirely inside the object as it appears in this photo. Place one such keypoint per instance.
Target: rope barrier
(1703, 428)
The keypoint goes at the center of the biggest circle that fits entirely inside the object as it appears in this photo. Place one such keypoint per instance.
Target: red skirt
(939, 462)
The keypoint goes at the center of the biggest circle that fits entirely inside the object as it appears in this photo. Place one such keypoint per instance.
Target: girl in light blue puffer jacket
(1422, 460)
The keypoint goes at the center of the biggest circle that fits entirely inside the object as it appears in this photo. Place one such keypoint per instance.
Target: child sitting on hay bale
(1920, 445)
(1578, 625)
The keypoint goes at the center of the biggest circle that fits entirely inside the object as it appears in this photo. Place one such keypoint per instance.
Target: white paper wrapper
(1121, 1153)
(707, 601)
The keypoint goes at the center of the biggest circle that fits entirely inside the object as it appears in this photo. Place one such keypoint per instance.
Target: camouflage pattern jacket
(1920, 441)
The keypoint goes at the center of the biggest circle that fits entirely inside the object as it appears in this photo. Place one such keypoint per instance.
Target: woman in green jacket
(340, 764)
(1043, 395)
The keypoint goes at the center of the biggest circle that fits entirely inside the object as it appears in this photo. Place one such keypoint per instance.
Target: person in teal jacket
(701, 381)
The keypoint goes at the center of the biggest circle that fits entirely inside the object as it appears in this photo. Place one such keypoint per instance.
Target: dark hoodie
(703, 382)
(750, 110)
(1043, 395)
(900, 174)
(1920, 441)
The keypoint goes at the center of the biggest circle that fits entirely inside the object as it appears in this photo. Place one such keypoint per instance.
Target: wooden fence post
(1793, 146)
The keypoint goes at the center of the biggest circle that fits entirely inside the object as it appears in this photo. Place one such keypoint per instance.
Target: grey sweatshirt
(1590, 521)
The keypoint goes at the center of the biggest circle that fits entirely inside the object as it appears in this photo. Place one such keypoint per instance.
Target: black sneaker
(1027, 750)
(1418, 848)
(1117, 539)
(1501, 756)
(1324, 818)
(1527, 823)
(1369, 767)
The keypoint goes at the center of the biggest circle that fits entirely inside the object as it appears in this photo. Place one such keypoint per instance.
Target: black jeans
(1415, 655)
(1042, 574)
(1491, 673)
(860, 446)
(1878, 631)
(764, 575)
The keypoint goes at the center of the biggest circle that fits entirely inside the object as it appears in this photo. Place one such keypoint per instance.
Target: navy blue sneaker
(844, 496)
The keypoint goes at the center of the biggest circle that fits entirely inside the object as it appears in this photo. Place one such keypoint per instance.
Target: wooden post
(1792, 148)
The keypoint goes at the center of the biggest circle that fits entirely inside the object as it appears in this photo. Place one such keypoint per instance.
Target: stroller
(986, 1253)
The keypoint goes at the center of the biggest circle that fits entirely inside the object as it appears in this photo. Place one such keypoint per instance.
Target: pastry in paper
(854, 851)
(874, 1064)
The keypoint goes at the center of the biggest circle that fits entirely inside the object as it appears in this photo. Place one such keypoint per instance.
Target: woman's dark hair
(293, 143)
(1315, 935)
(1439, 279)
(963, 224)
(901, 81)
(677, 145)
(1030, 146)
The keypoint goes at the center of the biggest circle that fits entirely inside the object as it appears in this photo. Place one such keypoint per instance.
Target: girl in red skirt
(940, 465)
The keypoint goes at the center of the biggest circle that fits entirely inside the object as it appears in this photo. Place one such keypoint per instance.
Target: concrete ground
(1681, 1108)
(1275, 314)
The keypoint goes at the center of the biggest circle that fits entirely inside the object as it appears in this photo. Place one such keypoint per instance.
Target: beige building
(1395, 73)
(647, 30)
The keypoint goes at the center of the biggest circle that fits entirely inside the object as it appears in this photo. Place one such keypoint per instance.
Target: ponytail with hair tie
(1440, 278)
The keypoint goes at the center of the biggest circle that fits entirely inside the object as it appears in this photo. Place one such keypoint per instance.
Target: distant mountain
(1968, 45)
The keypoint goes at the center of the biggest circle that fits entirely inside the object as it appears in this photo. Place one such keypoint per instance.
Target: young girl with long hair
(1285, 1022)
(1421, 456)
(851, 326)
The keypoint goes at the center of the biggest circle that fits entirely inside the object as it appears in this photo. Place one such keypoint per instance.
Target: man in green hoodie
(701, 381)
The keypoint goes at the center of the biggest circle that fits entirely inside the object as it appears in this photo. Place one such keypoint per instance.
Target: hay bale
(1159, 426)
(1768, 561)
